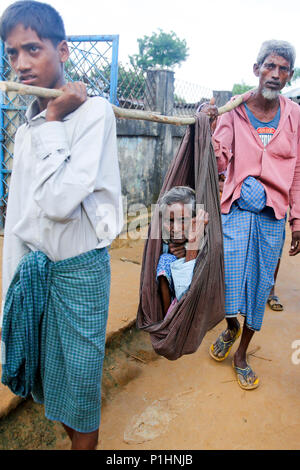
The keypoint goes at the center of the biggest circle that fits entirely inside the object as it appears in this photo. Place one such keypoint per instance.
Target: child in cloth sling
(182, 230)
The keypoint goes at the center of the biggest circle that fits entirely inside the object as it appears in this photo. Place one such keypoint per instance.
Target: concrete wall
(146, 149)
(145, 154)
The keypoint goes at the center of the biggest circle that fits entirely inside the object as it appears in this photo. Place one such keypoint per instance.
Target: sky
(223, 37)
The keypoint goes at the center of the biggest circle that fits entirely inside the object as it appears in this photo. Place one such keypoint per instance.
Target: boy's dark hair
(40, 17)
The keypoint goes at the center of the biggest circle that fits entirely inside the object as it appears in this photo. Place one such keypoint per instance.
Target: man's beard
(270, 94)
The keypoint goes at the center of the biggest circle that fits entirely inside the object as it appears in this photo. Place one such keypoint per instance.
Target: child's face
(36, 61)
(176, 222)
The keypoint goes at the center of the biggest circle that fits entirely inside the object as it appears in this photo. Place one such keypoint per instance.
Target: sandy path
(195, 403)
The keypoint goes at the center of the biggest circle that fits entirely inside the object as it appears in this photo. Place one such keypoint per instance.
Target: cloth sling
(202, 307)
(53, 335)
(252, 245)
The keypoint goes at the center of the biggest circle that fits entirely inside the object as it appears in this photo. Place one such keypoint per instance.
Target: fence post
(1, 135)
(114, 70)
(160, 86)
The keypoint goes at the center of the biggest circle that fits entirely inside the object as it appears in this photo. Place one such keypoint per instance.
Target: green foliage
(160, 49)
(70, 72)
(296, 74)
(131, 83)
(179, 99)
(240, 88)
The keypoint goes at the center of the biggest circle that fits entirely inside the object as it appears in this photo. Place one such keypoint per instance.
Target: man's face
(273, 75)
(35, 61)
(176, 222)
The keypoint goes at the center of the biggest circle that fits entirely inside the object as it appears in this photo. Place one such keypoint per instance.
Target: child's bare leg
(164, 293)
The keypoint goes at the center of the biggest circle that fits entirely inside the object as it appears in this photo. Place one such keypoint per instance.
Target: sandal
(274, 304)
(224, 346)
(243, 375)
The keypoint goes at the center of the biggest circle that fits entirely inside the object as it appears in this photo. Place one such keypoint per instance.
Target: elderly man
(258, 144)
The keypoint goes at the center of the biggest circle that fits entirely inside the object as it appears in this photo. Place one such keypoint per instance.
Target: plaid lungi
(53, 332)
(252, 244)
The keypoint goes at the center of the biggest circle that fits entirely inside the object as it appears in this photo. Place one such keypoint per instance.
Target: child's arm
(177, 249)
(195, 235)
(164, 293)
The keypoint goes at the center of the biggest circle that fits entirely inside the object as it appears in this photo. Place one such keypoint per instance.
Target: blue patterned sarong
(53, 334)
(164, 269)
(283, 239)
(252, 244)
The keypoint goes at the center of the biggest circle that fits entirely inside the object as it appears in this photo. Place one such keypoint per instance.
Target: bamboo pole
(122, 113)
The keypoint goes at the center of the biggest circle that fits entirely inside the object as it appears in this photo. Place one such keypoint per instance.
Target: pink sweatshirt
(239, 149)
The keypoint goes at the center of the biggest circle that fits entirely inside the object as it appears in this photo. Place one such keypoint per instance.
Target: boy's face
(36, 61)
(176, 222)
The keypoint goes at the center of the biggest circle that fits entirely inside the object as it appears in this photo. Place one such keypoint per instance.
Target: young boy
(63, 212)
(182, 230)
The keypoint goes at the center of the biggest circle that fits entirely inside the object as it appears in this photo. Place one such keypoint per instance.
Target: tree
(240, 88)
(160, 49)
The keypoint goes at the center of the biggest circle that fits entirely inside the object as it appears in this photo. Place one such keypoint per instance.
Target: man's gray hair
(183, 194)
(281, 48)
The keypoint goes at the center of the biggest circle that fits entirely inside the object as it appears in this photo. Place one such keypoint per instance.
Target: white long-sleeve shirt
(65, 191)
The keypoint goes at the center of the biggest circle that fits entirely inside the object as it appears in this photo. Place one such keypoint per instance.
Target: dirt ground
(194, 402)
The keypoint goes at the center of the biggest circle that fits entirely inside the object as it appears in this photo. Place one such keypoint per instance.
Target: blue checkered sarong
(53, 334)
(252, 244)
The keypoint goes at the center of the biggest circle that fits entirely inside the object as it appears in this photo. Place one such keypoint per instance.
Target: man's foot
(274, 303)
(246, 377)
(220, 350)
